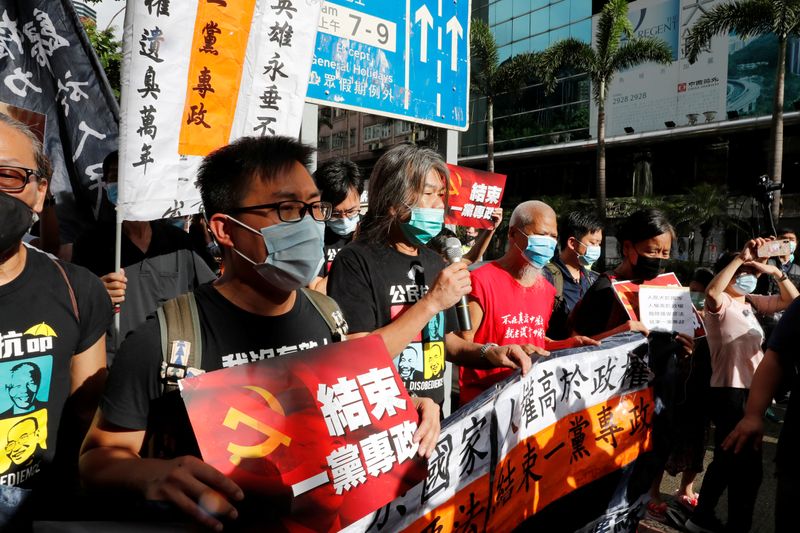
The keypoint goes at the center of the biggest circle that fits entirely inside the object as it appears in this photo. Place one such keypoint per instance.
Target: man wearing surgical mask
(735, 339)
(266, 213)
(511, 302)
(388, 282)
(339, 180)
(580, 235)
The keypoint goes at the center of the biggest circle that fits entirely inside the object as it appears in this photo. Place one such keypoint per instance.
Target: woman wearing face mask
(388, 282)
(340, 183)
(645, 239)
(735, 339)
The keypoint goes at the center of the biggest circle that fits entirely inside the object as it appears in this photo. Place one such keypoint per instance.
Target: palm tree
(490, 79)
(748, 18)
(617, 49)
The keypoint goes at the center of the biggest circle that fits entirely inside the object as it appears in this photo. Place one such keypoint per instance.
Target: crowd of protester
(280, 258)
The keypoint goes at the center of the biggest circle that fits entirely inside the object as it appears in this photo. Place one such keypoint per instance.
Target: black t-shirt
(39, 334)
(784, 341)
(599, 310)
(333, 244)
(230, 335)
(373, 285)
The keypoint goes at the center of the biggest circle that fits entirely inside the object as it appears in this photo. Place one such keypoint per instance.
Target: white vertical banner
(198, 74)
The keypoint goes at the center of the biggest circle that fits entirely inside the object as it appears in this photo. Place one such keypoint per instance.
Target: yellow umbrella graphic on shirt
(41, 330)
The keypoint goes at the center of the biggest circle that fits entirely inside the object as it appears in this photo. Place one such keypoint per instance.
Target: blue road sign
(400, 58)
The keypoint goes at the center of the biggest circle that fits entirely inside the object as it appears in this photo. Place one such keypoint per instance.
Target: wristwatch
(485, 348)
(783, 277)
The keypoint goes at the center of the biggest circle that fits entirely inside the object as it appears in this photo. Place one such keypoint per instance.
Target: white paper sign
(666, 309)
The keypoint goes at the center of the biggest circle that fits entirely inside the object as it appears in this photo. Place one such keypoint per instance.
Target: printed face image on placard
(409, 361)
(25, 436)
(434, 359)
(26, 385)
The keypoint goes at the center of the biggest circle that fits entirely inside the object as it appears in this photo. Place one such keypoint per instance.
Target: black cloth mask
(16, 218)
(646, 268)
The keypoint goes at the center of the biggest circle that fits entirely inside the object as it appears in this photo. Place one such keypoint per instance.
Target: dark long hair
(395, 185)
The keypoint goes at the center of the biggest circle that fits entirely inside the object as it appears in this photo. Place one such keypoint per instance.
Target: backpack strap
(181, 343)
(330, 311)
(558, 280)
(72, 298)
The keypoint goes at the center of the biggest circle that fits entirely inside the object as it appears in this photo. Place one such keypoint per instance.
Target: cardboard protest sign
(666, 309)
(198, 75)
(322, 435)
(627, 293)
(473, 195)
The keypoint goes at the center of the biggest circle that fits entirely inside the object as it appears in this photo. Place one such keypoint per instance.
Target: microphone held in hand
(453, 253)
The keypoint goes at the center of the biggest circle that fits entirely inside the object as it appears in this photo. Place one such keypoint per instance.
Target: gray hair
(395, 185)
(525, 212)
(42, 162)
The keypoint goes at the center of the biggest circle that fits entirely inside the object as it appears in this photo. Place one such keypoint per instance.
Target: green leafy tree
(748, 18)
(490, 78)
(108, 50)
(617, 49)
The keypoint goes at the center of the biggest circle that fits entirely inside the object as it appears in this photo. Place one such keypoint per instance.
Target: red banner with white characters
(328, 430)
(473, 195)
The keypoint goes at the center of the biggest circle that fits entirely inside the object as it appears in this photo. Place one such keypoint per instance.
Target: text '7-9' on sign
(407, 59)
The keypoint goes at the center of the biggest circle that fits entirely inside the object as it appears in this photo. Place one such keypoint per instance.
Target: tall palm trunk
(489, 134)
(601, 154)
(776, 134)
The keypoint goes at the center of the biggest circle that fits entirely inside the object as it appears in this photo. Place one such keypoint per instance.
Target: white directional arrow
(456, 31)
(423, 15)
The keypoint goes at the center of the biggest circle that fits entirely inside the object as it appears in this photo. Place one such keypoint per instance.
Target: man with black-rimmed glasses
(266, 214)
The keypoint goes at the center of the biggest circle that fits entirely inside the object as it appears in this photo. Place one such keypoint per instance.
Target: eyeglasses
(14, 179)
(292, 210)
(350, 213)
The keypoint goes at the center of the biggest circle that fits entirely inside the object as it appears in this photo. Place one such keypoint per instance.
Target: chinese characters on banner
(627, 293)
(329, 430)
(47, 66)
(531, 441)
(666, 309)
(473, 195)
(200, 74)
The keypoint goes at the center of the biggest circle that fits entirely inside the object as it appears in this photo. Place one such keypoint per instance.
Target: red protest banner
(627, 293)
(324, 436)
(473, 195)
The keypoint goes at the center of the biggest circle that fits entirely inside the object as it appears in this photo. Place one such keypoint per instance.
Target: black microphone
(453, 253)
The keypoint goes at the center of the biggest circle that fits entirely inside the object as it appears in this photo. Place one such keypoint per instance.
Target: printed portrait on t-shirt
(409, 362)
(435, 327)
(25, 439)
(26, 385)
(434, 359)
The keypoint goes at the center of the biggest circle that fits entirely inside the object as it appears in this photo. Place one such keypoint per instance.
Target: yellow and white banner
(198, 74)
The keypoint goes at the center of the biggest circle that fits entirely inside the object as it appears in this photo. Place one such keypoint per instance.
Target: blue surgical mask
(792, 246)
(592, 254)
(540, 249)
(745, 284)
(294, 252)
(343, 226)
(424, 224)
(112, 192)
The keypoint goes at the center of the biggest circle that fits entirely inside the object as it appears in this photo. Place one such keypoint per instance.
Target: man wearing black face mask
(266, 214)
(53, 317)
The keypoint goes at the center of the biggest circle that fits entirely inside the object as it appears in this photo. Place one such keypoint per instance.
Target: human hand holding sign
(115, 283)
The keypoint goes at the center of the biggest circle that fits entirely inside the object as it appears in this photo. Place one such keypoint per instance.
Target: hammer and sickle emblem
(275, 438)
(453, 187)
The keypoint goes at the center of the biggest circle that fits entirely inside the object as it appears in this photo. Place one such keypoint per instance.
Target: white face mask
(294, 252)
(344, 226)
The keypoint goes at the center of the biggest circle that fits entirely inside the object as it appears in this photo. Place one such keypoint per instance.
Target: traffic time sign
(407, 59)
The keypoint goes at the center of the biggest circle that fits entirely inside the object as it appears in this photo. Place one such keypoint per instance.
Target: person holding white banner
(265, 212)
(735, 339)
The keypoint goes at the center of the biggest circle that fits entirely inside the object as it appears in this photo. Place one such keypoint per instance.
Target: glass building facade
(532, 118)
